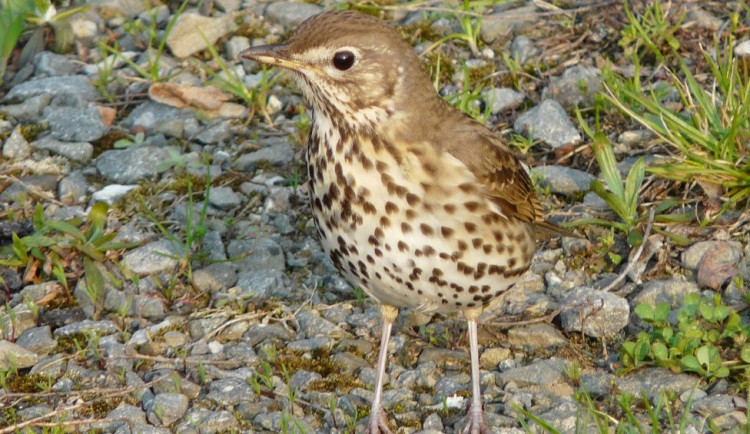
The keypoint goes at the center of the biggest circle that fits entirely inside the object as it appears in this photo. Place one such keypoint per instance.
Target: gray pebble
(548, 122)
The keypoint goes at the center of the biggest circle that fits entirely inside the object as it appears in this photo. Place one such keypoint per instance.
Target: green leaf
(702, 355)
(690, 363)
(645, 312)
(660, 351)
(94, 280)
(97, 218)
(66, 228)
(745, 353)
(661, 313)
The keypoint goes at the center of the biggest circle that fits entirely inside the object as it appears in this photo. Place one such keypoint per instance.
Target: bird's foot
(475, 421)
(378, 424)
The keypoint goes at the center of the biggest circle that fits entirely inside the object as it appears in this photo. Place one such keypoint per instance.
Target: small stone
(16, 147)
(673, 291)
(129, 166)
(564, 180)
(112, 193)
(597, 313)
(48, 63)
(73, 87)
(491, 357)
(523, 49)
(191, 31)
(153, 258)
(290, 14)
(21, 357)
(74, 124)
(215, 277)
(275, 155)
(541, 336)
(235, 45)
(548, 122)
(577, 85)
(167, 408)
(37, 340)
(539, 373)
(224, 198)
(76, 151)
(502, 99)
(102, 328)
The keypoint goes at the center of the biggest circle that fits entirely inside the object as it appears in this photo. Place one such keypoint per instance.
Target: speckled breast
(409, 226)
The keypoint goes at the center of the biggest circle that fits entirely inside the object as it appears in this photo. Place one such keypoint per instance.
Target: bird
(415, 202)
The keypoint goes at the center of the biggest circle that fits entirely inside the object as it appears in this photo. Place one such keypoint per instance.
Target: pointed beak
(272, 55)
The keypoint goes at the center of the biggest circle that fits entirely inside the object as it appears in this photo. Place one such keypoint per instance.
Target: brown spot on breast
(487, 248)
(473, 289)
(402, 246)
(476, 242)
(498, 236)
(449, 208)
(405, 227)
(373, 241)
(426, 229)
(366, 163)
(384, 222)
(369, 208)
(370, 259)
(391, 208)
(471, 206)
(446, 231)
(470, 227)
(381, 166)
(512, 262)
(462, 246)
(410, 214)
(379, 233)
(412, 199)
(467, 187)
(428, 251)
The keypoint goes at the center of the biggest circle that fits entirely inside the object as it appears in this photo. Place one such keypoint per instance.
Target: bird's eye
(343, 60)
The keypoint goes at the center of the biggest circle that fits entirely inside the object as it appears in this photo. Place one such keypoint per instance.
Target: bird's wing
(503, 179)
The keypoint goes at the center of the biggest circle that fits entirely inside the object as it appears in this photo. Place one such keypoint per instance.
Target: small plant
(195, 230)
(710, 131)
(229, 81)
(155, 44)
(621, 198)
(470, 100)
(54, 245)
(11, 20)
(470, 23)
(709, 338)
(131, 142)
(649, 33)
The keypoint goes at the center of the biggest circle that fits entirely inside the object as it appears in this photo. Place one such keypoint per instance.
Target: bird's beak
(273, 55)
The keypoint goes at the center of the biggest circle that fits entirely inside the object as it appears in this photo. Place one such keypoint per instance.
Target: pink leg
(378, 423)
(475, 417)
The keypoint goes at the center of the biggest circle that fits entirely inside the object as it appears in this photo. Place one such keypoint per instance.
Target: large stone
(191, 31)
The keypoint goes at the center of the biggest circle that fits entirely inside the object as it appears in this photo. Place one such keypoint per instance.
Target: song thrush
(414, 202)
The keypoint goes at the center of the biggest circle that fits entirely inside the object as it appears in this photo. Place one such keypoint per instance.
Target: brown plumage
(415, 202)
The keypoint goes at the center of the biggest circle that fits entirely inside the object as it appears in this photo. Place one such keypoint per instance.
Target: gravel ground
(273, 340)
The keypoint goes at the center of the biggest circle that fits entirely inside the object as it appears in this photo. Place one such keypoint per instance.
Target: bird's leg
(378, 423)
(475, 417)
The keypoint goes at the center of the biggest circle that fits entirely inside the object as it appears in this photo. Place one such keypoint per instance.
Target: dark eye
(343, 60)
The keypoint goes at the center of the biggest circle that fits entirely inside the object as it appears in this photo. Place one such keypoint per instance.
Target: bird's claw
(475, 422)
(378, 424)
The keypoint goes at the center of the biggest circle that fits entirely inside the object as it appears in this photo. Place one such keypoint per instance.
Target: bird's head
(351, 67)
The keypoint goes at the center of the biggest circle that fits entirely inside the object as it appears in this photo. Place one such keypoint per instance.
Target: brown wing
(505, 181)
